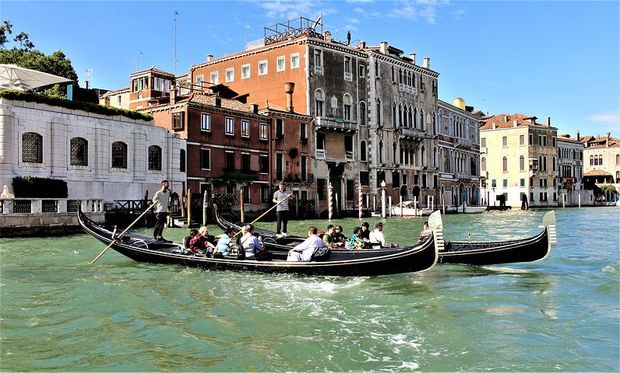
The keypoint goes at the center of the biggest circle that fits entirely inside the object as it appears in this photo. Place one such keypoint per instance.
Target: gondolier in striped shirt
(282, 197)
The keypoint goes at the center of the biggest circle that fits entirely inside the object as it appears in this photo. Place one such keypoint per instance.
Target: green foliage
(77, 105)
(608, 187)
(38, 187)
(225, 199)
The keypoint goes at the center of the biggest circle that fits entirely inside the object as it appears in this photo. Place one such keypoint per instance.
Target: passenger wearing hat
(376, 236)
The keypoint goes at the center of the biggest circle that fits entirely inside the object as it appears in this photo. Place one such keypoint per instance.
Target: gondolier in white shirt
(161, 199)
(282, 197)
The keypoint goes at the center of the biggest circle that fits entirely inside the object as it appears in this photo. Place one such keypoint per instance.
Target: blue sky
(544, 58)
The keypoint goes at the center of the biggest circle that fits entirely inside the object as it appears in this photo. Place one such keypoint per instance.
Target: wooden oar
(265, 213)
(114, 239)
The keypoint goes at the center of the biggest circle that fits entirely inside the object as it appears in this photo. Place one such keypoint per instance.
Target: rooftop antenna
(140, 54)
(89, 77)
(176, 13)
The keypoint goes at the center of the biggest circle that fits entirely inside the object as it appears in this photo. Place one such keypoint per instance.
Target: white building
(570, 168)
(101, 157)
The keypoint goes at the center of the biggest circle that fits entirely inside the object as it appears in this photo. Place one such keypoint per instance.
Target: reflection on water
(59, 312)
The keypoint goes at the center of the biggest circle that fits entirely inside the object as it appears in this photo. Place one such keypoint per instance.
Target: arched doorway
(416, 193)
(403, 191)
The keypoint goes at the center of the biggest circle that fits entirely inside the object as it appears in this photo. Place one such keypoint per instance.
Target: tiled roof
(153, 69)
(566, 137)
(110, 93)
(224, 103)
(600, 141)
(507, 121)
(597, 173)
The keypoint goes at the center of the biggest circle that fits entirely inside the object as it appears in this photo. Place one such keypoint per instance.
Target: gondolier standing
(281, 197)
(161, 199)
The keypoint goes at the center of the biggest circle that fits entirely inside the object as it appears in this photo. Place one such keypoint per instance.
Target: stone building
(458, 153)
(518, 161)
(101, 157)
(601, 157)
(570, 168)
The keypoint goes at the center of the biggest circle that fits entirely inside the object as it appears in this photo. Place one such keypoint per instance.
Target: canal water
(58, 312)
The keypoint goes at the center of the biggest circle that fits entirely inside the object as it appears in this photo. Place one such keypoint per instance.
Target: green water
(58, 312)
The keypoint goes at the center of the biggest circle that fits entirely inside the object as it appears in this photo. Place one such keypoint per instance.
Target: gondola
(528, 249)
(364, 263)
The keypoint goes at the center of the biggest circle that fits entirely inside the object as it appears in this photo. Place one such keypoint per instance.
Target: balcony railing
(38, 206)
(336, 123)
(348, 156)
(415, 133)
(241, 175)
(319, 154)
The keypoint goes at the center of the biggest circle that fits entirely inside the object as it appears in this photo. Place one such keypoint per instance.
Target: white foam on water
(409, 365)
(610, 269)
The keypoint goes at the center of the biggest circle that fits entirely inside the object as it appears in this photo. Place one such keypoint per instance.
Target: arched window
(346, 106)
(521, 163)
(32, 147)
(79, 152)
(380, 152)
(415, 118)
(378, 114)
(410, 119)
(154, 158)
(400, 115)
(363, 150)
(553, 164)
(362, 117)
(617, 159)
(505, 164)
(119, 154)
(423, 158)
(394, 153)
(394, 122)
(319, 103)
(182, 161)
(422, 125)
(591, 160)
(483, 164)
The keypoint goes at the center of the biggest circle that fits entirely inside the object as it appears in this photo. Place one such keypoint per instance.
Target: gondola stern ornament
(436, 225)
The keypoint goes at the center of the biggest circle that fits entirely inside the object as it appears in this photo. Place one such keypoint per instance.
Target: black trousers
(160, 223)
(282, 218)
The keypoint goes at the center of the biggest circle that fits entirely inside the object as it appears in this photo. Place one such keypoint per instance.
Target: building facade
(518, 161)
(570, 168)
(458, 154)
(601, 156)
(101, 157)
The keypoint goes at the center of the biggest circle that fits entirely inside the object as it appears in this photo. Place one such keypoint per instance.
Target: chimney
(254, 108)
(383, 47)
(218, 101)
(412, 56)
(173, 94)
(209, 57)
(515, 122)
(362, 45)
(548, 121)
(289, 88)
(327, 36)
(578, 136)
(427, 63)
(506, 118)
(494, 125)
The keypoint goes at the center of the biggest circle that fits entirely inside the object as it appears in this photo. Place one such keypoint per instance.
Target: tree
(26, 56)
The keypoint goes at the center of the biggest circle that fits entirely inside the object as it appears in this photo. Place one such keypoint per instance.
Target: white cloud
(417, 10)
(282, 10)
(607, 118)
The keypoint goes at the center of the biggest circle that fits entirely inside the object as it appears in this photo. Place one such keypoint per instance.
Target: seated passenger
(305, 250)
(376, 236)
(225, 241)
(199, 244)
(365, 233)
(252, 246)
(338, 239)
(188, 238)
(355, 242)
(426, 233)
(327, 236)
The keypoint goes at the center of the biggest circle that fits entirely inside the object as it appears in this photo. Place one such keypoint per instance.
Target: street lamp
(383, 199)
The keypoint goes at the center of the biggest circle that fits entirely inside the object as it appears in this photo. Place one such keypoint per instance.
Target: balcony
(299, 179)
(348, 156)
(319, 154)
(239, 175)
(411, 133)
(335, 123)
(407, 89)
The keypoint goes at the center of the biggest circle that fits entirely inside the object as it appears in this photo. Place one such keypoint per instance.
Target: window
(505, 164)
(363, 151)
(319, 103)
(245, 128)
(154, 158)
(318, 61)
(493, 183)
(279, 128)
(214, 78)
(362, 117)
(320, 189)
(200, 81)
(205, 122)
(119, 154)
(521, 140)
(230, 75)
(178, 120)
(281, 64)
(265, 194)
(522, 182)
(531, 140)
(230, 126)
(350, 190)
(32, 147)
(182, 161)
(521, 163)
(263, 131)
(505, 183)
(263, 164)
(262, 68)
(245, 71)
(245, 162)
(303, 135)
(346, 112)
(378, 106)
(504, 141)
(205, 159)
(79, 152)
(279, 166)
(229, 160)
(348, 68)
(295, 61)
(246, 194)
(483, 142)
(364, 178)
(362, 73)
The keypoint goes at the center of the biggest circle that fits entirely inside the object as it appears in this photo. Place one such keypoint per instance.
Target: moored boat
(471, 209)
(408, 208)
(526, 249)
(363, 263)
